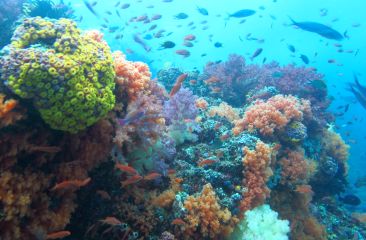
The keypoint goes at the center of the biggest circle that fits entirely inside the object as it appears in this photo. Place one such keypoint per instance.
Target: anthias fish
(318, 28)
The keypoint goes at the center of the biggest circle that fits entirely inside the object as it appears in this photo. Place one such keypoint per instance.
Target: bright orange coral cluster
(135, 76)
(256, 173)
(206, 215)
(273, 114)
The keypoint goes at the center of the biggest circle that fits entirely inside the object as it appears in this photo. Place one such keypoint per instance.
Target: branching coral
(68, 76)
(256, 173)
(206, 216)
(274, 114)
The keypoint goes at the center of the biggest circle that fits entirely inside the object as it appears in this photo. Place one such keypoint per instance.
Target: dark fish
(152, 27)
(264, 60)
(167, 44)
(117, 4)
(350, 199)
(304, 58)
(203, 11)
(318, 28)
(181, 16)
(318, 84)
(148, 37)
(359, 91)
(184, 53)
(218, 44)
(256, 53)
(91, 9)
(117, 12)
(188, 44)
(137, 39)
(109, 13)
(291, 48)
(242, 13)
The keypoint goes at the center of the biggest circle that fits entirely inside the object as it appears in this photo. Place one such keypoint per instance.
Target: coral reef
(68, 76)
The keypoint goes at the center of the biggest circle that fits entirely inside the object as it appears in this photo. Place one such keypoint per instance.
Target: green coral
(68, 76)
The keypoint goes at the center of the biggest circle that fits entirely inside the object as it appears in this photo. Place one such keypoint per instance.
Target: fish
(360, 182)
(218, 44)
(118, 14)
(204, 162)
(350, 199)
(109, 13)
(138, 40)
(359, 91)
(125, 6)
(183, 52)
(203, 11)
(111, 221)
(256, 53)
(291, 48)
(242, 13)
(189, 37)
(132, 117)
(319, 28)
(152, 27)
(178, 84)
(178, 221)
(126, 169)
(167, 44)
(58, 235)
(188, 44)
(304, 58)
(152, 176)
(132, 180)
(156, 17)
(181, 16)
(71, 184)
(91, 9)
(117, 4)
(46, 149)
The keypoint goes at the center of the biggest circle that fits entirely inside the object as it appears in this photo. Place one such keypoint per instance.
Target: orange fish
(178, 180)
(178, 221)
(47, 149)
(190, 37)
(212, 80)
(306, 189)
(111, 221)
(152, 176)
(125, 168)
(215, 90)
(7, 106)
(131, 180)
(58, 235)
(178, 84)
(71, 184)
(204, 162)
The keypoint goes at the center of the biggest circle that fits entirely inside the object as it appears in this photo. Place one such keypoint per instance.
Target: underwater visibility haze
(182, 119)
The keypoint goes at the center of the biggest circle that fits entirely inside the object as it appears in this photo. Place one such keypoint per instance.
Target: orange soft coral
(206, 217)
(224, 110)
(134, 76)
(273, 114)
(295, 169)
(257, 171)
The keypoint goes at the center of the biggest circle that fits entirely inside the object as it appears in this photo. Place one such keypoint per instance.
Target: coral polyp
(68, 76)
